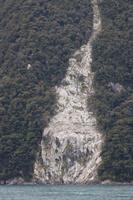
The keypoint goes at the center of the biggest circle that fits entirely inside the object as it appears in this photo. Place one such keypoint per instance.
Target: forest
(113, 67)
(36, 40)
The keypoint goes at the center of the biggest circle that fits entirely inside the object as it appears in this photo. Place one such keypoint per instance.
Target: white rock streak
(71, 144)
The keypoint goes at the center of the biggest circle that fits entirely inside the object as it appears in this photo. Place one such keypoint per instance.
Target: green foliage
(113, 62)
(41, 34)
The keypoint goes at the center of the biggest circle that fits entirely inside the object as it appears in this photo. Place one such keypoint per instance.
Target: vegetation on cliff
(113, 66)
(36, 40)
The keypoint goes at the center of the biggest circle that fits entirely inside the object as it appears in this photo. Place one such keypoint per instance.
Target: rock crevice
(71, 144)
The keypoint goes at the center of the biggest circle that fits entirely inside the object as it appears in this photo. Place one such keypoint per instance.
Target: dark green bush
(113, 63)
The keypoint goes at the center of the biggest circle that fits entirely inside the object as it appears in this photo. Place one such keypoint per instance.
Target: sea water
(41, 192)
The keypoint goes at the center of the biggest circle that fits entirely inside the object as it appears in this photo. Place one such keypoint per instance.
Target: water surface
(97, 192)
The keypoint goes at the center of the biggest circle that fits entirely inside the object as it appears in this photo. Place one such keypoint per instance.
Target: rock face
(71, 144)
(116, 87)
(14, 181)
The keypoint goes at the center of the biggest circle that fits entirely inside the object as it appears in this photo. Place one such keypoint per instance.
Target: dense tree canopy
(36, 39)
(113, 66)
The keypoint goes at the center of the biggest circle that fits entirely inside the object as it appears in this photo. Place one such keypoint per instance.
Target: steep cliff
(71, 144)
(37, 38)
(51, 81)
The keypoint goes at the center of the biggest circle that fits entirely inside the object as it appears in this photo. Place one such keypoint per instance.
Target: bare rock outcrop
(71, 144)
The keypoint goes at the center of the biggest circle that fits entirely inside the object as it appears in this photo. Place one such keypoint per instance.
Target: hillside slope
(113, 67)
(36, 40)
(71, 143)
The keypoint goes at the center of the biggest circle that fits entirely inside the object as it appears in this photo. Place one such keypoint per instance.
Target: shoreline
(21, 182)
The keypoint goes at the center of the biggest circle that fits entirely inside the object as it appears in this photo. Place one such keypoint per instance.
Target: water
(97, 192)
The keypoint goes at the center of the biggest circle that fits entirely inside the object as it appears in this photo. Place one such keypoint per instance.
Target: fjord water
(97, 192)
